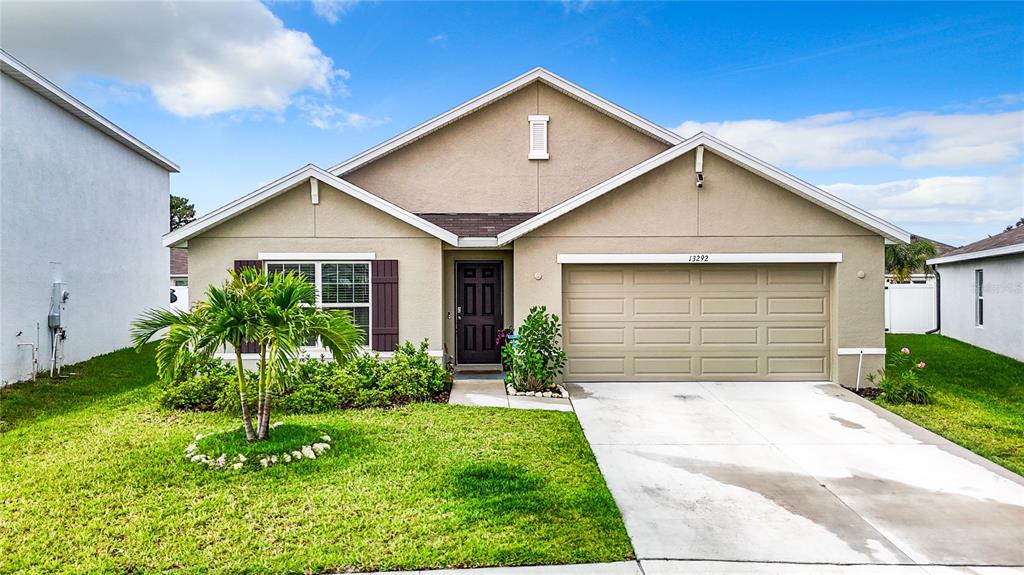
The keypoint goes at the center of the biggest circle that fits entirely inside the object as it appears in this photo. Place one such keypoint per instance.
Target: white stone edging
(238, 461)
(559, 393)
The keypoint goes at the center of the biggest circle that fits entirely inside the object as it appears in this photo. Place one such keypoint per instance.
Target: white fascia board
(316, 256)
(47, 89)
(860, 350)
(667, 136)
(483, 242)
(700, 258)
(288, 182)
(994, 252)
(787, 181)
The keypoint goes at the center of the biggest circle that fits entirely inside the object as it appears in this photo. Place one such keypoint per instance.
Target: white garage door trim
(649, 322)
(702, 258)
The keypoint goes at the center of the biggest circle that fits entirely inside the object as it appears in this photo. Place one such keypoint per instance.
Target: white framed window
(538, 138)
(979, 297)
(342, 285)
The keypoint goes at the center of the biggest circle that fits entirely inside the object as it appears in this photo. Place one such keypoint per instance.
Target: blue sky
(914, 111)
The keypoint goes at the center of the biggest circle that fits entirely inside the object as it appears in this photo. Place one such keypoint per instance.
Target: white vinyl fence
(910, 308)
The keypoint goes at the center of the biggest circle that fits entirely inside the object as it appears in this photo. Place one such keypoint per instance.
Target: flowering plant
(900, 382)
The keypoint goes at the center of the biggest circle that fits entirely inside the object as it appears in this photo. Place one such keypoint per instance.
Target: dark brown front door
(478, 311)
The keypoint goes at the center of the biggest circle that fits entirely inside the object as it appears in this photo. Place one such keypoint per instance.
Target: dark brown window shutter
(384, 307)
(249, 346)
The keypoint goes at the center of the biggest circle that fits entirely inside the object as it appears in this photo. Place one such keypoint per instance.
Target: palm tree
(272, 311)
(288, 322)
(901, 260)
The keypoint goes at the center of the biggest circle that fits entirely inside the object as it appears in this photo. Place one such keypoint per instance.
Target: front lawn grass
(93, 480)
(979, 397)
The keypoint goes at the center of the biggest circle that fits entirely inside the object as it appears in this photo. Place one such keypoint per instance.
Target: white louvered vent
(538, 137)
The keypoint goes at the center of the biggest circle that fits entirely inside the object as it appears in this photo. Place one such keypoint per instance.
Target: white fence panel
(909, 308)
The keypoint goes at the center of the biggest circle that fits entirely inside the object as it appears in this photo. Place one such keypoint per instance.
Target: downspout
(938, 301)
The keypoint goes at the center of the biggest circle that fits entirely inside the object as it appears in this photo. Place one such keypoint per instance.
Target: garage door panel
(728, 276)
(645, 367)
(805, 306)
(730, 366)
(596, 335)
(677, 322)
(662, 308)
(735, 336)
(651, 335)
(798, 367)
(790, 335)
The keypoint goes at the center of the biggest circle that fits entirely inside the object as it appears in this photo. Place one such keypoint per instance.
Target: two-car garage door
(706, 322)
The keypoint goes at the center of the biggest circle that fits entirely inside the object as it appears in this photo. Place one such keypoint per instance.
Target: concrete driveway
(793, 473)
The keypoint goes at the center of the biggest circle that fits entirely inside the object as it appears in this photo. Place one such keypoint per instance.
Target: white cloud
(438, 37)
(196, 58)
(328, 116)
(332, 10)
(849, 139)
(947, 200)
(577, 6)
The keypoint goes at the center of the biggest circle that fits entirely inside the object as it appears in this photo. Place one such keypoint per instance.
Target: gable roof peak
(538, 73)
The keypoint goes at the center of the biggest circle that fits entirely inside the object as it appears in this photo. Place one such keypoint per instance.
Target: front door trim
(499, 305)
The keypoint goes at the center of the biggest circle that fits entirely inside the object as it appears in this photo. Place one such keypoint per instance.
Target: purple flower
(920, 364)
(905, 351)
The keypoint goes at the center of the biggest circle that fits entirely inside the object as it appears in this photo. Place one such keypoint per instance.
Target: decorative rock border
(558, 393)
(237, 462)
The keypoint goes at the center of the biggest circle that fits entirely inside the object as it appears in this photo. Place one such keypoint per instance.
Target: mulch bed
(871, 393)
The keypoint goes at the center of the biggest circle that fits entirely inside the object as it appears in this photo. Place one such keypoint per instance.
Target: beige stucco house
(668, 258)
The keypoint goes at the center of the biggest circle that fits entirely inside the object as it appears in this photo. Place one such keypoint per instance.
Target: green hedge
(367, 381)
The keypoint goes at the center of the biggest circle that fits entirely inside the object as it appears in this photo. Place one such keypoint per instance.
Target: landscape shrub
(534, 358)
(899, 382)
(316, 385)
(200, 384)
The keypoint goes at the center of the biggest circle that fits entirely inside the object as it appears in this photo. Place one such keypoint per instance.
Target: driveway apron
(793, 472)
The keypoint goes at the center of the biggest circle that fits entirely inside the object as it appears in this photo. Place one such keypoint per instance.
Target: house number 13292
(698, 257)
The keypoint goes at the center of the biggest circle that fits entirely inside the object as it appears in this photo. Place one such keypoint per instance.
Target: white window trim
(979, 298)
(700, 258)
(306, 257)
(318, 284)
(543, 122)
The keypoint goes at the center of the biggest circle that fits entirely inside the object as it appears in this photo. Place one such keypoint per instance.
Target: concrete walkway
(490, 392)
(759, 477)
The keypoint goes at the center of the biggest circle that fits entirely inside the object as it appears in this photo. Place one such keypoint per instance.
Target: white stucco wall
(1003, 329)
(70, 194)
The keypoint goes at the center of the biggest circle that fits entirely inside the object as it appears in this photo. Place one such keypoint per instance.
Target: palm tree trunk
(246, 418)
(260, 392)
(264, 427)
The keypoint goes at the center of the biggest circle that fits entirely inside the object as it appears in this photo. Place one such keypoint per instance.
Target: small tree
(273, 311)
(534, 356)
(182, 211)
(901, 260)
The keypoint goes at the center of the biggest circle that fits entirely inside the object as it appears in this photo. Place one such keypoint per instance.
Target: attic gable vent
(538, 137)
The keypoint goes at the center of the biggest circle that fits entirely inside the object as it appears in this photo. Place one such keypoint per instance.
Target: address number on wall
(699, 258)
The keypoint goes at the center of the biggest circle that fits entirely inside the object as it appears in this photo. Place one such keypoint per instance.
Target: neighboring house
(179, 279)
(82, 203)
(667, 258)
(981, 293)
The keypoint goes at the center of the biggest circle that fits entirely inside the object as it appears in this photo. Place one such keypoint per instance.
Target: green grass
(286, 438)
(978, 399)
(94, 481)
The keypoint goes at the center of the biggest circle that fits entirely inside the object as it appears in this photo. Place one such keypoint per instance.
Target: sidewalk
(486, 391)
(678, 567)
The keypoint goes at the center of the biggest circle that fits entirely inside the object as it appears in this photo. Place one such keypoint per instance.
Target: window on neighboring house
(979, 299)
(181, 283)
(339, 285)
